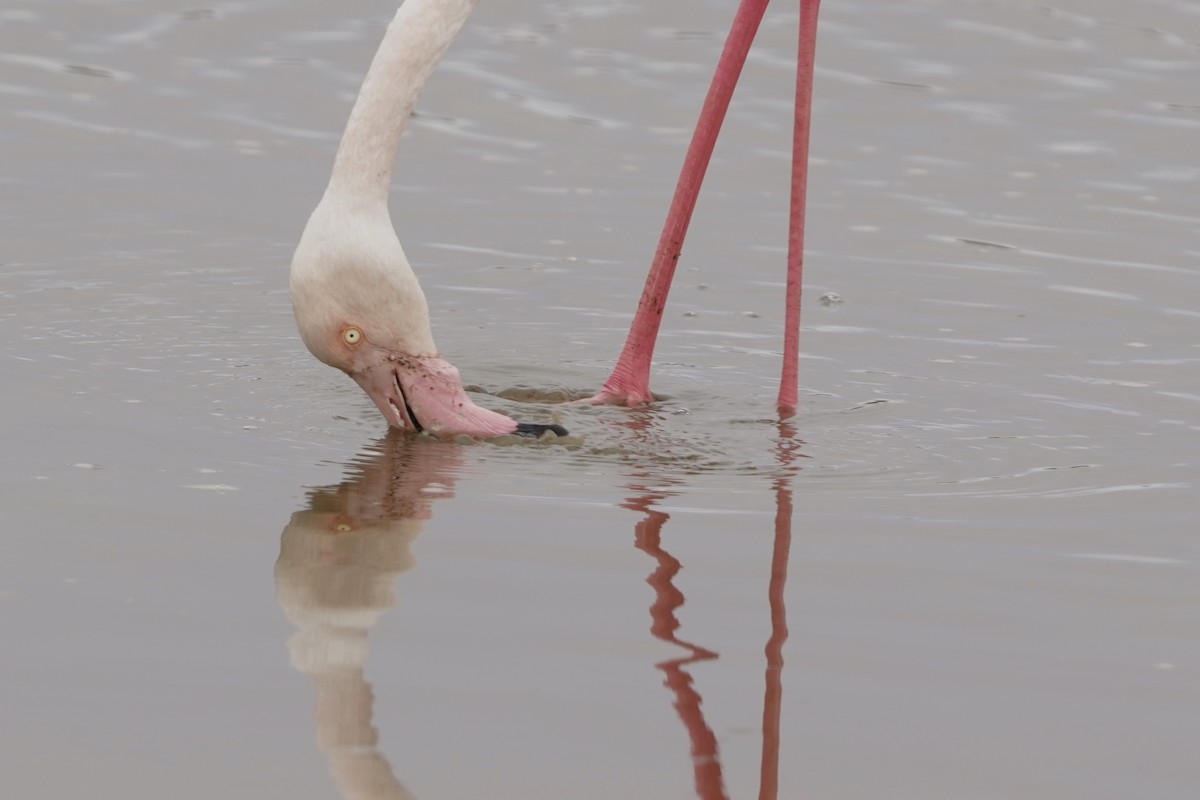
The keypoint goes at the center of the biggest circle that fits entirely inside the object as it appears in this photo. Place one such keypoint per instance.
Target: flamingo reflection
(338, 562)
(335, 577)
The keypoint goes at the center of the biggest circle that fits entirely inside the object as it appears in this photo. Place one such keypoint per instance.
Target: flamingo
(358, 304)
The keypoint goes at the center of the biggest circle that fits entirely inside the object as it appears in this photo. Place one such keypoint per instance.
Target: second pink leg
(788, 390)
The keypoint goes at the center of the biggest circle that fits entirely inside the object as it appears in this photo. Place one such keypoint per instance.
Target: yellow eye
(343, 527)
(352, 336)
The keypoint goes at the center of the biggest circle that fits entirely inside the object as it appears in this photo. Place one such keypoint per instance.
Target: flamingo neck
(415, 41)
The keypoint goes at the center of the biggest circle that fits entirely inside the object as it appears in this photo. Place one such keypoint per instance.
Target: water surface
(221, 578)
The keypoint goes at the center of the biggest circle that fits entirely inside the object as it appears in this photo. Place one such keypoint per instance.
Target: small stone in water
(831, 299)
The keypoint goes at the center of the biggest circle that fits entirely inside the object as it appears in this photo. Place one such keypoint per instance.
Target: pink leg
(795, 259)
(629, 383)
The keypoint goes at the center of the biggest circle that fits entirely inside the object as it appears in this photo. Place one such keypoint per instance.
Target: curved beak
(426, 395)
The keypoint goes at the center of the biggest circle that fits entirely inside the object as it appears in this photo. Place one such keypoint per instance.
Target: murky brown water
(989, 496)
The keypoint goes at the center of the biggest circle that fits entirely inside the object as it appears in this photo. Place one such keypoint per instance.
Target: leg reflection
(787, 452)
(706, 761)
(773, 696)
(709, 781)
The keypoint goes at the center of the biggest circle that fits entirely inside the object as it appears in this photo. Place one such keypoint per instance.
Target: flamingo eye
(343, 527)
(352, 336)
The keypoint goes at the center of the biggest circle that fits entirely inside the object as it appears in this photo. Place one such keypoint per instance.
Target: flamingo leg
(629, 383)
(795, 257)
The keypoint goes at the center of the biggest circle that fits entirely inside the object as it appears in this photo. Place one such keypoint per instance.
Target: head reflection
(338, 562)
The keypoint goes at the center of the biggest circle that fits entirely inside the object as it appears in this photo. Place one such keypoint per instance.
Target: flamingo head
(360, 309)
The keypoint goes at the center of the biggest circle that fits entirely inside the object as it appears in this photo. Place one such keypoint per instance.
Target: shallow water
(219, 580)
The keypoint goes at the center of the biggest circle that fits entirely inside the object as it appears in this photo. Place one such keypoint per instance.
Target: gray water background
(993, 583)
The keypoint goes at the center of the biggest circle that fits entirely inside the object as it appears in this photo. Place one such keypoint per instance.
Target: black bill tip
(534, 430)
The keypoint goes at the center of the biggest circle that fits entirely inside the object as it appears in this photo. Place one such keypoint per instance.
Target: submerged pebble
(831, 299)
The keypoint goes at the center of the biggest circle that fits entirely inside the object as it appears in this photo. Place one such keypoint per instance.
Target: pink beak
(426, 395)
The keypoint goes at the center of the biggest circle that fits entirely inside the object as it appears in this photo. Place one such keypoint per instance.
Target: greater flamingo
(357, 302)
